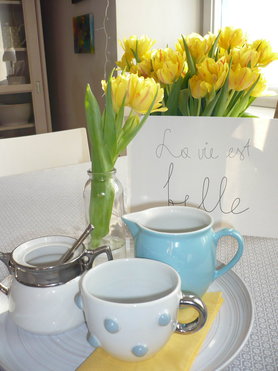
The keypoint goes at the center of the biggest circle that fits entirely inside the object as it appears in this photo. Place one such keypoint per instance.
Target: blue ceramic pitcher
(182, 237)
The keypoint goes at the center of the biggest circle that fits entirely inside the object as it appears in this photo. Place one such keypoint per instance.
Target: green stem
(101, 205)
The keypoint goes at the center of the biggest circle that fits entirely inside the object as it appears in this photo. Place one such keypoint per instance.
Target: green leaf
(190, 61)
(128, 132)
(173, 98)
(244, 102)
(99, 156)
(248, 115)
(222, 102)
(132, 127)
(211, 53)
(119, 118)
(234, 96)
(109, 127)
(210, 105)
(183, 102)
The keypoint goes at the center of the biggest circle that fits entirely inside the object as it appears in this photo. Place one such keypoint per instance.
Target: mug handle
(240, 244)
(195, 302)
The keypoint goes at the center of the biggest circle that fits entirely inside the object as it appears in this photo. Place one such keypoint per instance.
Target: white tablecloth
(50, 202)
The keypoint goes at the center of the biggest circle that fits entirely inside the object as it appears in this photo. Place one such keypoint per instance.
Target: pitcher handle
(240, 244)
(5, 257)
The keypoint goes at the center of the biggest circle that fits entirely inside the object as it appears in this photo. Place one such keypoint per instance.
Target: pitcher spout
(131, 220)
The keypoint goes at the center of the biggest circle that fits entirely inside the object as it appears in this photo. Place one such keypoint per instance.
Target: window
(255, 17)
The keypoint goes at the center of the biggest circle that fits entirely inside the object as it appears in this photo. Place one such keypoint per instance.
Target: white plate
(21, 351)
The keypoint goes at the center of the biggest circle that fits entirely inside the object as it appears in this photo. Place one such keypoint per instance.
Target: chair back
(41, 151)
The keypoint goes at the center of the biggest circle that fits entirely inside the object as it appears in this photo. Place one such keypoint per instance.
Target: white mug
(131, 306)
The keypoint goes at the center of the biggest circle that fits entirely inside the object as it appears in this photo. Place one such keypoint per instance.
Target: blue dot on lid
(164, 319)
(111, 325)
(139, 350)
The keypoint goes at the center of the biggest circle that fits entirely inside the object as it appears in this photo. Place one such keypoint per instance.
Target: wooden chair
(42, 151)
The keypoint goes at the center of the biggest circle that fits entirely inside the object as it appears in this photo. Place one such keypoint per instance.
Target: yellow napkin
(177, 355)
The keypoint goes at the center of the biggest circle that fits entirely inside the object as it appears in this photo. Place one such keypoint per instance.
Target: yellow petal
(242, 78)
(231, 38)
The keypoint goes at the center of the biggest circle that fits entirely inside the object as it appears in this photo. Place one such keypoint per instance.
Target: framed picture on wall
(83, 32)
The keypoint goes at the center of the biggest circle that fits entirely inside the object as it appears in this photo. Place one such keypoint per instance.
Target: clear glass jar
(104, 207)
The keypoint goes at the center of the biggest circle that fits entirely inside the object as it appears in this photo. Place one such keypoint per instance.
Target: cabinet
(24, 101)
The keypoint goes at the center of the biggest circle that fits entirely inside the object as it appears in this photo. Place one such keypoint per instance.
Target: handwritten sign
(226, 166)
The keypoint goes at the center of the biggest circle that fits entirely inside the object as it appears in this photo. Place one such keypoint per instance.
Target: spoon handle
(77, 243)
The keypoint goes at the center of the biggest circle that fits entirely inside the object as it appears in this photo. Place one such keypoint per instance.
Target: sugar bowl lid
(36, 262)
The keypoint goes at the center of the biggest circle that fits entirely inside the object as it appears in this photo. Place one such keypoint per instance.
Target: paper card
(226, 166)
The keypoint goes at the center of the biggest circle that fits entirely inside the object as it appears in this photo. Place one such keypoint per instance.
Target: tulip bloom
(141, 93)
(168, 65)
(246, 57)
(198, 87)
(136, 92)
(137, 48)
(264, 50)
(119, 87)
(213, 72)
(260, 88)
(210, 76)
(198, 46)
(242, 78)
(231, 38)
(144, 68)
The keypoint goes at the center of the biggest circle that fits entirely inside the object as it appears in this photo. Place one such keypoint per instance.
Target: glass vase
(104, 207)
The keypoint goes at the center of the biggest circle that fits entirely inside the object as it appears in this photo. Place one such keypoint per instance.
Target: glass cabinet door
(24, 101)
(13, 53)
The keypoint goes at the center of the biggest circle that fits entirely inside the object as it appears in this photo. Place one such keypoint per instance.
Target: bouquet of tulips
(214, 75)
(111, 131)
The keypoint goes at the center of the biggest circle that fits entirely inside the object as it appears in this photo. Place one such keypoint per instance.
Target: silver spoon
(77, 243)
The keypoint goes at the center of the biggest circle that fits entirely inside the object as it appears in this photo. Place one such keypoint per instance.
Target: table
(50, 202)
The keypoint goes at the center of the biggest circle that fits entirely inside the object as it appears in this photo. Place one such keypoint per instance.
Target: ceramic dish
(21, 351)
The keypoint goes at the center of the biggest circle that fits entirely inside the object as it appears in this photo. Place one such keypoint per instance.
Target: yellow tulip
(246, 57)
(135, 47)
(137, 91)
(198, 46)
(265, 52)
(198, 87)
(143, 68)
(210, 38)
(168, 65)
(260, 88)
(213, 72)
(142, 92)
(210, 76)
(231, 38)
(125, 63)
(119, 88)
(241, 78)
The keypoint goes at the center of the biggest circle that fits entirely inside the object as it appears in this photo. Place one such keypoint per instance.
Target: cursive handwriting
(184, 152)
(205, 192)
(204, 152)
(242, 153)
(207, 153)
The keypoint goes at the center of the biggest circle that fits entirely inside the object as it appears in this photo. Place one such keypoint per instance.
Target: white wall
(68, 72)
(161, 20)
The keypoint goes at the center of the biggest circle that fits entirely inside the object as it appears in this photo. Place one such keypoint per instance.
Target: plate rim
(239, 347)
(249, 327)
